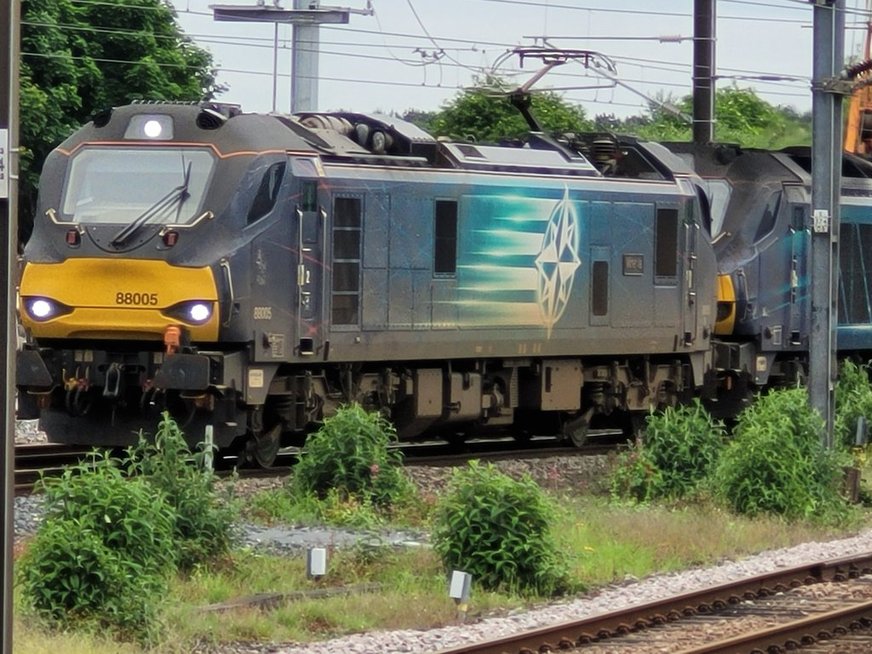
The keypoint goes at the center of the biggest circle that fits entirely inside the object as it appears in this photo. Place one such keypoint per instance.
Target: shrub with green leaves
(498, 530)
(680, 447)
(203, 523)
(349, 454)
(684, 443)
(635, 477)
(776, 462)
(853, 401)
(105, 551)
(71, 577)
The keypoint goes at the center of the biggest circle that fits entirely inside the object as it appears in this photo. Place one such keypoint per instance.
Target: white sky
(386, 62)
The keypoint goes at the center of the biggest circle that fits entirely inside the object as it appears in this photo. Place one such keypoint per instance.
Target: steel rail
(35, 460)
(567, 635)
(791, 635)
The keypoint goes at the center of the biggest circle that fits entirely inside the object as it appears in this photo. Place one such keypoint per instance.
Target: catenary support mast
(828, 54)
(306, 18)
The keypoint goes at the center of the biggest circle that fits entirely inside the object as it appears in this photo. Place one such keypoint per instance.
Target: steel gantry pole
(9, 53)
(828, 54)
(306, 18)
(305, 43)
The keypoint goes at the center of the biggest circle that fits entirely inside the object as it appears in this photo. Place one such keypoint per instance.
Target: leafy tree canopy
(480, 114)
(740, 117)
(79, 57)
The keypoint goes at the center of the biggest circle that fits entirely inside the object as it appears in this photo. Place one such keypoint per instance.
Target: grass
(608, 543)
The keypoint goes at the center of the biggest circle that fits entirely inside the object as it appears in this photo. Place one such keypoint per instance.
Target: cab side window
(267, 192)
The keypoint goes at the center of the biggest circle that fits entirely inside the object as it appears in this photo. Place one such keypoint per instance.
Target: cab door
(691, 304)
(799, 252)
(311, 217)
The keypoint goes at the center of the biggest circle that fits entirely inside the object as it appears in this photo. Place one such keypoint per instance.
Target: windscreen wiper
(175, 198)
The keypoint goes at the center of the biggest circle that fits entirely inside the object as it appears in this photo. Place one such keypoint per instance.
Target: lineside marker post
(209, 452)
(316, 563)
(459, 590)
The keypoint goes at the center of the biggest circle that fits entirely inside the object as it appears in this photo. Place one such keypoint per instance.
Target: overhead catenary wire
(452, 53)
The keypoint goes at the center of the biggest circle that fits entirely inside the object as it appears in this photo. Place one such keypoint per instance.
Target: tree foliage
(79, 57)
(480, 114)
(740, 117)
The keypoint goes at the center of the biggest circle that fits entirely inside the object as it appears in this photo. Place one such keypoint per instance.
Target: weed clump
(202, 523)
(679, 450)
(498, 530)
(853, 401)
(776, 462)
(347, 466)
(104, 553)
(116, 530)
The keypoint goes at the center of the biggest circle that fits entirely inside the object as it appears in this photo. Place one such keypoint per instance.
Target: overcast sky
(416, 54)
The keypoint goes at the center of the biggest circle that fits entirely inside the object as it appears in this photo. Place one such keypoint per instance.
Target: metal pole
(703, 70)
(10, 20)
(305, 44)
(825, 192)
(305, 18)
(275, 63)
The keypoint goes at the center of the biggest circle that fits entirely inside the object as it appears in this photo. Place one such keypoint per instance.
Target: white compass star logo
(557, 261)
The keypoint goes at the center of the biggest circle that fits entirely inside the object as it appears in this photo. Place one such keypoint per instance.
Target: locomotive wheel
(522, 435)
(575, 428)
(456, 438)
(262, 449)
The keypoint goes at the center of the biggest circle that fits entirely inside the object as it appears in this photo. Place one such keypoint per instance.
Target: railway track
(826, 606)
(35, 459)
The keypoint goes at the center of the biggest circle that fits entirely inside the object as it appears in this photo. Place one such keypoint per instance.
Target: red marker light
(73, 238)
(170, 238)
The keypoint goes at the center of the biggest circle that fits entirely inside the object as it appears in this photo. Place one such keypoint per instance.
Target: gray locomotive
(760, 206)
(252, 272)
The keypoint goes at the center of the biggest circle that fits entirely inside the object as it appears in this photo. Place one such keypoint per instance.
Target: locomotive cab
(129, 292)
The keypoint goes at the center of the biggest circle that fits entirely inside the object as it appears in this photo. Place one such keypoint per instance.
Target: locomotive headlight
(156, 127)
(43, 308)
(199, 312)
(152, 129)
(194, 312)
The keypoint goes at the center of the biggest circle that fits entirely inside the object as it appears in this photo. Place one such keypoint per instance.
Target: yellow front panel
(120, 298)
(726, 319)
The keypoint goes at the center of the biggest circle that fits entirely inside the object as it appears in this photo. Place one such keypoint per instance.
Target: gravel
(581, 473)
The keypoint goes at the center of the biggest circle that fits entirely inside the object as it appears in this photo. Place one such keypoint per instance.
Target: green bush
(684, 443)
(635, 477)
(70, 577)
(498, 530)
(776, 462)
(203, 523)
(853, 400)
(105, 551)
(680, 447)
(349, 455)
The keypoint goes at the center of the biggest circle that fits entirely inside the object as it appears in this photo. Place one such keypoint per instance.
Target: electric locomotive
(761, 211)
(252, 272)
